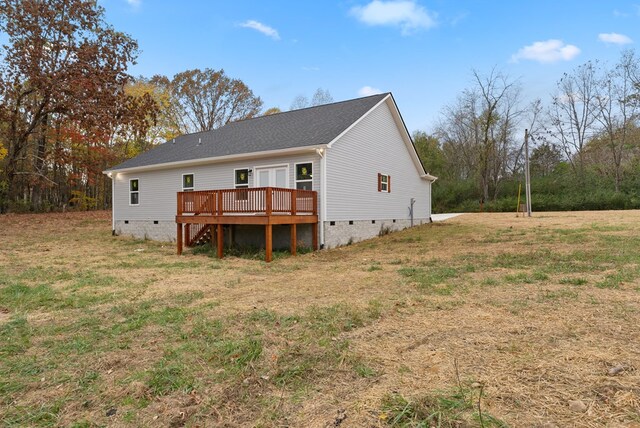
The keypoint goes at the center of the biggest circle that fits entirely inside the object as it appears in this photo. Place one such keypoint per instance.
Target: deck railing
(257, 200)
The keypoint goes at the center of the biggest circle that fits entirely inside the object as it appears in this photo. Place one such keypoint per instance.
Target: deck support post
(179, 238)
(314, 236)
(294, 240)
(268, 234)
(187, 234)
(220, 237)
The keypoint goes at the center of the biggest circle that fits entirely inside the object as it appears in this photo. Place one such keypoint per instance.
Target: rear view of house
(321, 176)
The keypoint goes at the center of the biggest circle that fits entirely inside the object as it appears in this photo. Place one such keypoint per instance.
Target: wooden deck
(204, 213)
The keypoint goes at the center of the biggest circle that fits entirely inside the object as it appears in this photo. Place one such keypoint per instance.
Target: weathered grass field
(485, 320)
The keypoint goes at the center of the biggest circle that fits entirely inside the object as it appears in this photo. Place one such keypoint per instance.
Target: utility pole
(526, 172)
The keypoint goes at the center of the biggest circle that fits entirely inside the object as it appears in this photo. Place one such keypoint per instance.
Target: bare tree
(573, 113)
(617, 110)
(320, 97)
(299, 102)
(208, 99)
(480, 128)
(533, 115)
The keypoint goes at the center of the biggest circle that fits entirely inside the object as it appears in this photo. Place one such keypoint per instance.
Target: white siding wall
(374, 146)
(158, 188)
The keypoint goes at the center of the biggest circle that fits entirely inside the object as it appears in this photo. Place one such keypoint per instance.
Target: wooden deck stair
(201, 236)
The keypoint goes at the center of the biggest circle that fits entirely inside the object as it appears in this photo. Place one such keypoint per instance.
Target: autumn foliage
(69, 109)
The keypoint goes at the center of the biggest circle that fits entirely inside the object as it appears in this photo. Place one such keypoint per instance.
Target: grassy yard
(484, 320)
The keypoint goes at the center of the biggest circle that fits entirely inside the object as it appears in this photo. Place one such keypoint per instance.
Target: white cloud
(134, 3)
(264, 29)
(310, 68)
(552, 50)
(615, 38)
(365, 91)
(406, 14)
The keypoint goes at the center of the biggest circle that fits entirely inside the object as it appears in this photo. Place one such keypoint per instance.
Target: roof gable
(309, 127)
(390, 102)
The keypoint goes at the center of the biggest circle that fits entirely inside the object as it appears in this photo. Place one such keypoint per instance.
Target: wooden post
(315, 203)
(179, 238)
(220, 241)
(314, 236)
(294, 239)
(187, 234)
(268, 200)
(268, 229)
(294, 202)
(219, 202)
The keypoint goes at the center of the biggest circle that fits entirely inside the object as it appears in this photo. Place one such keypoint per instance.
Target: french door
(272, 177)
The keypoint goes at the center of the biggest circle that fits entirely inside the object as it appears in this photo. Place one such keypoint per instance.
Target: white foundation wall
(347, 232)
(163, 230)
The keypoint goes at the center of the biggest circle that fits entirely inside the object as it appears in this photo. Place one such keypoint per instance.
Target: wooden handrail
(267, 200)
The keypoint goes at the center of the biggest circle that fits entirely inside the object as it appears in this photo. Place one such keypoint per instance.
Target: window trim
(134, 191)
(193, 184)
(381, 183)
(295, 174)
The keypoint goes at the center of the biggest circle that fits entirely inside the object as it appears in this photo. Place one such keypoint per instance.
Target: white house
(353, 165)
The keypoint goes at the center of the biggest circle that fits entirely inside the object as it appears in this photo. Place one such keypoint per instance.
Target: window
(242, 182)
(384, 183)
(242, 179)
(304, 176)
(188, 182)
(134, 192)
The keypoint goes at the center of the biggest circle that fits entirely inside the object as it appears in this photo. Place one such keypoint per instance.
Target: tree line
(69, 109)
(584, 142)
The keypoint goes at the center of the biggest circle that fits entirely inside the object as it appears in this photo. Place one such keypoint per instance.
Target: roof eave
(216, 159)
(429, 177)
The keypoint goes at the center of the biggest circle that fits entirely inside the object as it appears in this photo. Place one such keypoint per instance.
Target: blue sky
(423, 51)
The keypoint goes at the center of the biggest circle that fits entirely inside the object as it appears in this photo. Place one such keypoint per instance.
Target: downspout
(323, 192)
(413, 201)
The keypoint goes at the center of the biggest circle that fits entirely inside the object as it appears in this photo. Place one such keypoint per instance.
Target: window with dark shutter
(384, 183)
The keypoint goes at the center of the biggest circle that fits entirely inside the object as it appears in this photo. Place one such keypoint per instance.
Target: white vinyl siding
(159, 188)
(375, 145)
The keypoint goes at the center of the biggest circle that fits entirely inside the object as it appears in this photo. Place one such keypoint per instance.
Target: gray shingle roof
(298, 128)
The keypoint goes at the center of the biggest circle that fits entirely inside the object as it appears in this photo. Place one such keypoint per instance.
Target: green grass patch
(455, 408)
(429, 278)
(555, 295)
(573, 281)
(171, 374)
(614, 280)
(364, 370)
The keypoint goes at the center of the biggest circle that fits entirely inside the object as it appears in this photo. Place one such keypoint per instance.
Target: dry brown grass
(536, 310)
